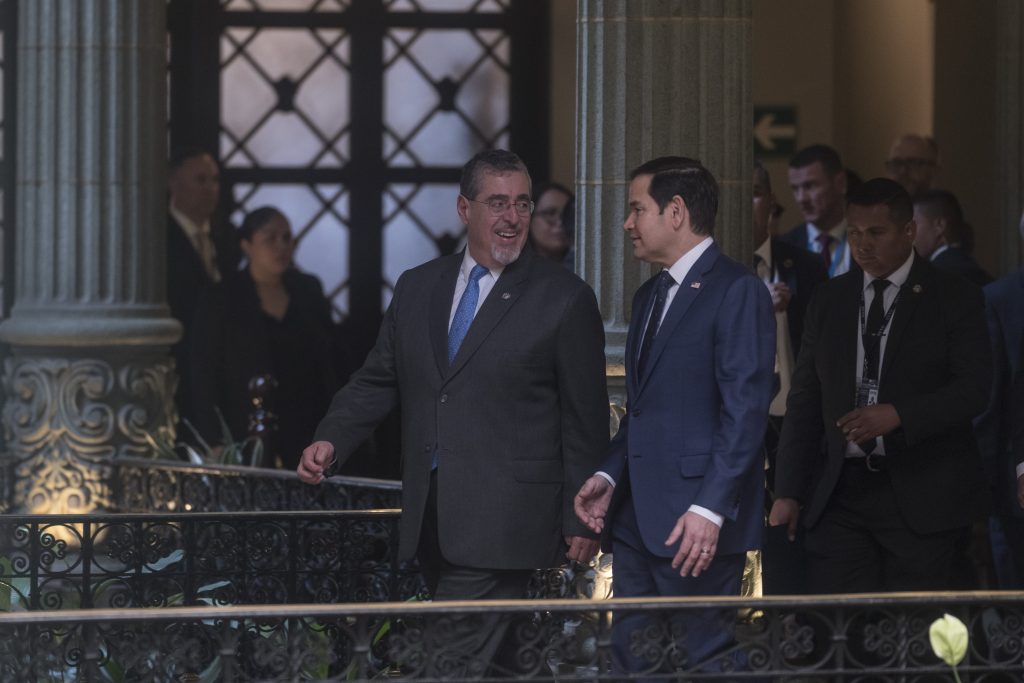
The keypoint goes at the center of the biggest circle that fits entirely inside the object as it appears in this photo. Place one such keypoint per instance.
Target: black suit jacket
(802, 271)
(936, 372)
(519, 421)
(233, 342)
(187, 279)
(956, 260)
(796, 237)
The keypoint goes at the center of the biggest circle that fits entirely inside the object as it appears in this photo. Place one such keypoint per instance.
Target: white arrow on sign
(765, 132)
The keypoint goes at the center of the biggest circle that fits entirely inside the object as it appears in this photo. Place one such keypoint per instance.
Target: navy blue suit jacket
(1004, 304)
(695, 420)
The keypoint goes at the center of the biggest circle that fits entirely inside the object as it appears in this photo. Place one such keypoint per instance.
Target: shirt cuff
(1020, 470)
(714, 517)
(611, 481)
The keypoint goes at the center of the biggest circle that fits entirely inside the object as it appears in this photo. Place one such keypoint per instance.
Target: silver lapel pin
(506, 296)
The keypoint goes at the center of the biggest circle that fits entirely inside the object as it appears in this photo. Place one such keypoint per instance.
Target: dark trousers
(465, 645)
(861, 544)
(670, 641)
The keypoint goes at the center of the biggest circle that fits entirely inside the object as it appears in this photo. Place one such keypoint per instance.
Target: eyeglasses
(499, 205)
(907, 164)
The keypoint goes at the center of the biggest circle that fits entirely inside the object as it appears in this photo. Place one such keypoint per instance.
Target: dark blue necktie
(465, 312)
(661, 288)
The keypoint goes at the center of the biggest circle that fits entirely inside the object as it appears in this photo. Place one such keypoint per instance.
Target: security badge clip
(867, 393)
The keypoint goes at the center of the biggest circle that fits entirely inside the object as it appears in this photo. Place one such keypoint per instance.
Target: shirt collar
(191, 229)
(468, 263)
(838, 232)
(765, 251)
(942, 248)
(681, 268)
(898, 276)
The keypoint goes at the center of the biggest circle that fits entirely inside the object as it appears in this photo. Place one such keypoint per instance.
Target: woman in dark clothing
(266, 319)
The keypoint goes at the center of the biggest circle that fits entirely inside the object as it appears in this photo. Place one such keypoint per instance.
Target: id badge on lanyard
(867, 393)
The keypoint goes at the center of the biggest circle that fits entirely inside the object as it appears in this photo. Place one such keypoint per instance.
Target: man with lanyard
(818, 182)
(900, 477)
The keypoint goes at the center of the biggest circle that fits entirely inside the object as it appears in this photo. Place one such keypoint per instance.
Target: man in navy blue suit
(1004, 301)
(679, 499)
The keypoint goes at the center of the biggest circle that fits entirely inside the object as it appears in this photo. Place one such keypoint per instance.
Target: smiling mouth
(507, 234)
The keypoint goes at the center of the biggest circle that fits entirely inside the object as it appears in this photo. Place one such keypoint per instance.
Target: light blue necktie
(465, 312)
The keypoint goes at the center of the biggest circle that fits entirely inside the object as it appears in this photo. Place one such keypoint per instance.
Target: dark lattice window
(355, 116)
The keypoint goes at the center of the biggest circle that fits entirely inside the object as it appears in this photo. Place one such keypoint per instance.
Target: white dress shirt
(839, 235)
(199, 236)
(486, 284)
(679, 270)
(897, 280)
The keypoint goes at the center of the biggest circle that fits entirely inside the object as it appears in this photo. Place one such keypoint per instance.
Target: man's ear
(678, 212)
(462, 208)
(942, 225)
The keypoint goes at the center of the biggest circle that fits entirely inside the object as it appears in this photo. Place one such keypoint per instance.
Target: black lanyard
(876, 338)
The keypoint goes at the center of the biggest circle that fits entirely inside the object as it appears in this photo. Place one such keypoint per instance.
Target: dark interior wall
(965, 116)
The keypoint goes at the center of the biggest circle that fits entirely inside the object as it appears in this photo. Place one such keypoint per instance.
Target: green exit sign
(774, 131)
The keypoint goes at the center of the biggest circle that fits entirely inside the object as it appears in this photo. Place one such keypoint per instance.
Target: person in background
(550, 236)
(201, 250)
(1000, 430)
(941, 232)
(267, 318)
(877, 457)
(818, 181)
(913, 162)
(791, 274)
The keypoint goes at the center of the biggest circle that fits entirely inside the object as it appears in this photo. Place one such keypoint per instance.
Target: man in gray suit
(496, 358)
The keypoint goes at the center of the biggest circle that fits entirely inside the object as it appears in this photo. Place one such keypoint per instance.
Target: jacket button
(444, 398)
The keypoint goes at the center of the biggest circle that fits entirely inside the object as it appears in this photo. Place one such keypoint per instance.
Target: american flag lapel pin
(506, 296)
(695, 285)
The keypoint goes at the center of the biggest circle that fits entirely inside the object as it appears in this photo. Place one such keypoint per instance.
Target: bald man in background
(913, 161)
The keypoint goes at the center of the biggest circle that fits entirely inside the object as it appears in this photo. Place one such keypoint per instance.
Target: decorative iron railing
(827, 638)
(52, 562)
(141, 485)
(163, 485)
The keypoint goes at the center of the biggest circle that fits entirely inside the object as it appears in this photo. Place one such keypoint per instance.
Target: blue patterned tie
(465, 312)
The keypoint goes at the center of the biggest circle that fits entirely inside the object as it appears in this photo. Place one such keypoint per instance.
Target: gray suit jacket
(519, 420)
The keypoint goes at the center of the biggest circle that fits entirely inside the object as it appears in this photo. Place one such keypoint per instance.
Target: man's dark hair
(883, 191)
(180, 156)
(823, 154)
(671, 176)
(488, 161)
(256, 219)
(944, 204)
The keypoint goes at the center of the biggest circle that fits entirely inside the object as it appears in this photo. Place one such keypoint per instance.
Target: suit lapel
(503, 295)
(910, 297)
(441, 310)
(688, 291)
(636, 322)
(846, 318)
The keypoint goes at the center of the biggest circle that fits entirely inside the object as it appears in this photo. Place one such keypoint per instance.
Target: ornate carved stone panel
(67, 417)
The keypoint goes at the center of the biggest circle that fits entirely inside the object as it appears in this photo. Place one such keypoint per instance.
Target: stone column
(656, 77)
(89, 376)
